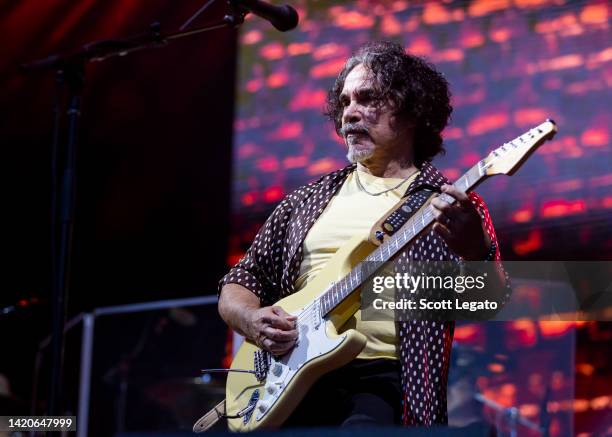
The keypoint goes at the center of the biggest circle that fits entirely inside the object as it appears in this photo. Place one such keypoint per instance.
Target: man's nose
(351, 114)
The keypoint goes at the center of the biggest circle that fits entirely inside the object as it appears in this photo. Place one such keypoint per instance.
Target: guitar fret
(371, 263)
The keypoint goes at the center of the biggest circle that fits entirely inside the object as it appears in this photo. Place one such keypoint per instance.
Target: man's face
(370, 129)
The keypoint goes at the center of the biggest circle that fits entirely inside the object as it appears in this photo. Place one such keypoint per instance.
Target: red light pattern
(518, 362)
(510, 64)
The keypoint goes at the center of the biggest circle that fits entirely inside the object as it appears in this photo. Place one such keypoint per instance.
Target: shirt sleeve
(488, 226)
(260, 268)
(486, 220)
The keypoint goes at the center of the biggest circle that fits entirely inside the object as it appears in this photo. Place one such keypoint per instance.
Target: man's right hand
(272, 329)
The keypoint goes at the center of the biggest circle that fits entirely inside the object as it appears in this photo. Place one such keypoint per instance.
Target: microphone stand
(70, 71)
(511, 414)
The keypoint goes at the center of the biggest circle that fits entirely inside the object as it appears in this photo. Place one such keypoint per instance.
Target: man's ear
(402, 122)
(403, 119)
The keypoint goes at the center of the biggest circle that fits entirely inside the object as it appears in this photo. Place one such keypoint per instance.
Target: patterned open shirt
(271, 266)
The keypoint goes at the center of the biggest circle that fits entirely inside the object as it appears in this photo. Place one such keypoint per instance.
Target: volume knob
(263, 406)
(271, 388)
(277, 369)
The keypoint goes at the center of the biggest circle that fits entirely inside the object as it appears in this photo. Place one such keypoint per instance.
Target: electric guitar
(263, 390)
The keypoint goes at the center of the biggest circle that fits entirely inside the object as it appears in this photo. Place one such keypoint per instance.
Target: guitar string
(307, 315)
(426, 215)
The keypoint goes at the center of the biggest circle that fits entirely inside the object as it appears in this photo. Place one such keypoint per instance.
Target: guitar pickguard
(313, 342)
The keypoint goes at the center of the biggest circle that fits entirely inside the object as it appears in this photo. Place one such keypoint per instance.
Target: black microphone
(284, 18)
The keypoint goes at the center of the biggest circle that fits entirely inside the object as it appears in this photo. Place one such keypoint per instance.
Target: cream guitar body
(320, 349)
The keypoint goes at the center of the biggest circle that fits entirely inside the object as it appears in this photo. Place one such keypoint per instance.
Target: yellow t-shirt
(350, 212)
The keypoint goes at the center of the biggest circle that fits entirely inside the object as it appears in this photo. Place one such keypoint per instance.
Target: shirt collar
(428, 178)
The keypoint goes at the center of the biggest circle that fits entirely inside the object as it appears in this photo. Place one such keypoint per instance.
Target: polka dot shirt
(271, 266)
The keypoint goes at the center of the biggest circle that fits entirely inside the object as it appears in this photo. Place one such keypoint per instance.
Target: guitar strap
(209, 419)
(401, 212)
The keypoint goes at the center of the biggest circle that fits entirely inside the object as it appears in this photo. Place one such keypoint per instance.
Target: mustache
(353, 128)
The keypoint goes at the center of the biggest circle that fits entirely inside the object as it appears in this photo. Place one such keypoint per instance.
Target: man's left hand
(460, 225)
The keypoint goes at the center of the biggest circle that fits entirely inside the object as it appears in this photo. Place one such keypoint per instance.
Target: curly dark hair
(415, 89)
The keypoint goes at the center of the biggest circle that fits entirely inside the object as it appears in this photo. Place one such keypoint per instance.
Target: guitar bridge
(261, 364)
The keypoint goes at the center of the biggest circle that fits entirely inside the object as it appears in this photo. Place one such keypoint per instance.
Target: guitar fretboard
(511, 153)
(340, 290)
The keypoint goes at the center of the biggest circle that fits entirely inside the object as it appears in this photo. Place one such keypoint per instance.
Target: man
(390, 108)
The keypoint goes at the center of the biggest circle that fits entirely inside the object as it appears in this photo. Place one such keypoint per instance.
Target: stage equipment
(70, 79)
(283, 18)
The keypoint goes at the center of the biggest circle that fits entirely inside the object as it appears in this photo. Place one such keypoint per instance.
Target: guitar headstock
(509, 157)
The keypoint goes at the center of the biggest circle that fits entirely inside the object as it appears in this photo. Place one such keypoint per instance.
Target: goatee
(354, 156)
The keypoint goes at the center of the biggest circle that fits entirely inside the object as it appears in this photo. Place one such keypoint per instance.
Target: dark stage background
(153, 166)
(167, 197)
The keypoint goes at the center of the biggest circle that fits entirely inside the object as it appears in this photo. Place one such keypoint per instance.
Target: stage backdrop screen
(510, 64)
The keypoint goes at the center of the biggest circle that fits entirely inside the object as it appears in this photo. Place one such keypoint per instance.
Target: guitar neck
(418, 223)
(506, 159)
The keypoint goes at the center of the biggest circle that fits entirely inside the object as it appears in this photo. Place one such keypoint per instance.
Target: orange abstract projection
(354, 20)
(500, 35)
(480, 8)
(327, 69)
(469, 334)
(252, 37)
(471, 38)
(276, 80)
(595, 14)
(436, 13)
(308, 99)
(390, 25)
(286, 131)
(595, 137)
(272, 51)
(268, 164)
(249, 199)
(523, 215)
(273, 194)
(487, 122)
(510, 64)
(527, 117)
(449, 55)
(555, 328)
(420, 45)
(524, 333)
(330, 50)
(532, 243)
(322, 166)
(557, 63)
(562, 207)
(295, 49)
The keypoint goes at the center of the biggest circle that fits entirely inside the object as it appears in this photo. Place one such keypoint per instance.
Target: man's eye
(367, 98)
